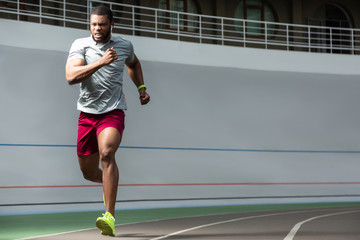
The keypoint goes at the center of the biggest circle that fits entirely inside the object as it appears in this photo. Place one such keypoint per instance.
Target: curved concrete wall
(252, 127)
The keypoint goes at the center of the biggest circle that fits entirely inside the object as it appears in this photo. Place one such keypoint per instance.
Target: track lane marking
(186, 184)
(190, 229)
(297, 226)
(222, 222)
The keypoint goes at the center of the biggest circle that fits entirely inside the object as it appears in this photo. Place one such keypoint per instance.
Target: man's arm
(77, 72)
(136, 75)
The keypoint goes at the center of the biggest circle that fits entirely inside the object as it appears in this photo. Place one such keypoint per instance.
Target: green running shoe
(106, 224)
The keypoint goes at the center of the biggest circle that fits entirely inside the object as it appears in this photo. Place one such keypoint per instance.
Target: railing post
(222, 31)
(352, 42)
(133, 20)
(88, 9)
(64, 12)
(287, 37)
(244, 32)
(178, 26)
(18, 10)
(309, 38)
(156, 18)
(200, 29)
(266, 36)
(40, 11)
(331, 45)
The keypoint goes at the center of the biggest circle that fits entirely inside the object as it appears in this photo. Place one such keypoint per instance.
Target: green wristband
(141, 86)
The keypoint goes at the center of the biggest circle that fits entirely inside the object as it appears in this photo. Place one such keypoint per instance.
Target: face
(100, 28)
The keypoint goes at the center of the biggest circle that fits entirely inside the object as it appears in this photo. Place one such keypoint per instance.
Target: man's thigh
(109, 140)
(109, 131)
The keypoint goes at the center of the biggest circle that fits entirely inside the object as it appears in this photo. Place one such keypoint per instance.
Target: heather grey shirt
(103, 91)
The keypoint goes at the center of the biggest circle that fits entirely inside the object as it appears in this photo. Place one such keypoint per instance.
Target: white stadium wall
(225, 126)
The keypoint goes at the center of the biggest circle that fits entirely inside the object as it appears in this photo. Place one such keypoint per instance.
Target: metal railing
(181, 26)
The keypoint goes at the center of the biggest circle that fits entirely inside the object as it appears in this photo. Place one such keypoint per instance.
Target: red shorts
(90, 126)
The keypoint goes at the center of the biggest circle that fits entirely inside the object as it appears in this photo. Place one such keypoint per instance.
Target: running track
(313, 224)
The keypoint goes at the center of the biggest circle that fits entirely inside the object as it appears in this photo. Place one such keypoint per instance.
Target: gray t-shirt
(103, 91)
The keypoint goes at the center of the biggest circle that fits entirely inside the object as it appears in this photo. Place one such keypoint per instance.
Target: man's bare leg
(109, 140)
(89, 166)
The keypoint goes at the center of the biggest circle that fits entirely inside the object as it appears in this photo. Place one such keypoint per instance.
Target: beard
(105, 39)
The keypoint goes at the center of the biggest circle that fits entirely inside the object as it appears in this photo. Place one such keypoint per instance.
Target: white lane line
(217, 223)
(55, 234)
(297, 226)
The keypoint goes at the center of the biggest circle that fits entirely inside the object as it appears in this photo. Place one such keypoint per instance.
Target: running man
(97, 63)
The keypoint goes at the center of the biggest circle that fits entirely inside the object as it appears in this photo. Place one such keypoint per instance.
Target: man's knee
(107, 155)
(89, 166)
(90, 175)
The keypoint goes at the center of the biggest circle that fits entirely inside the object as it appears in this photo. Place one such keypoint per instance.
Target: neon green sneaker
(106, 224)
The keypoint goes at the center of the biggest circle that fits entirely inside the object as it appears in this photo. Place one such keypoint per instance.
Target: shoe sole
(105, 228)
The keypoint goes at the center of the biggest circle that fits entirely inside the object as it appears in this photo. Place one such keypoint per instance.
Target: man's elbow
(71, 80)
(70, 74)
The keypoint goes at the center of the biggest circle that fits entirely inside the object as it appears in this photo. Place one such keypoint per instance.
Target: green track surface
(23, 226)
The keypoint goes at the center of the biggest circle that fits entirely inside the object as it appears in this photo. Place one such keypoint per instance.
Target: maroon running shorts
(90, 126)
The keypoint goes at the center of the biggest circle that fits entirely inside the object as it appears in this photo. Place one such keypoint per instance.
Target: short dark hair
(103, 10)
